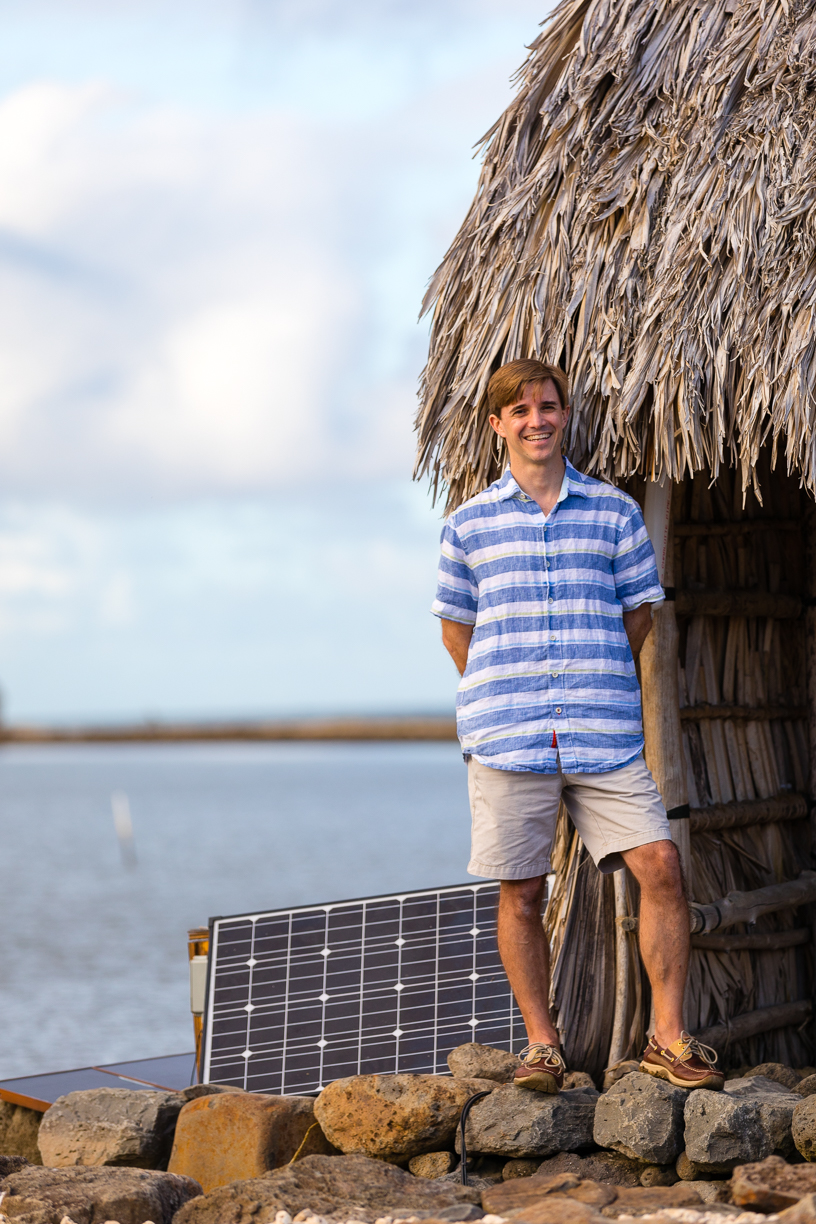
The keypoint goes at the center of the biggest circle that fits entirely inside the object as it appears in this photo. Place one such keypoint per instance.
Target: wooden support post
(620, 1033)
(748, 906)
(658, 675)
(750, 1024)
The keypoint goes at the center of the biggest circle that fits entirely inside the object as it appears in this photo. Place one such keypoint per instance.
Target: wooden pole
(750, 1024)
(658, 676)
(620, 1029)
(748, 906)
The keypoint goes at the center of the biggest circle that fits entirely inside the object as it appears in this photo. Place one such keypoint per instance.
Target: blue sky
(217, 221)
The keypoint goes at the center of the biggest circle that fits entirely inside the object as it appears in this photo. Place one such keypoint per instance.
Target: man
(546, 583)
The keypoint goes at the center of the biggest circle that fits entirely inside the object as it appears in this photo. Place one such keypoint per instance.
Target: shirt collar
(571, 486)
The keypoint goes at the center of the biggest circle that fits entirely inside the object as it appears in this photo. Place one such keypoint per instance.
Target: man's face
(533, 427)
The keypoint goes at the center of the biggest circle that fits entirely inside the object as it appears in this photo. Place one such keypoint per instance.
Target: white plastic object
(198, 984)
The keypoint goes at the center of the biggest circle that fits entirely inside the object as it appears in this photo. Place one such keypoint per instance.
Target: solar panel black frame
(297, 998)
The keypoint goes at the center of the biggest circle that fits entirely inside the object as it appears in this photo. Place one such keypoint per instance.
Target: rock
(199, 1090)
(611, 1168)
(521, 1199)
(646, 1200)
(394, 1117)
(18, 1131)
(807, 1086)
(718, 1191)
(772, 1184)
(614, 1073)
(642, 1117)
(659, 1175)
(336, 1187)
(803, 1128)
(89, 1195)
(233, 1137)
(692, 1170)
(558, 1209)
(749, 1120)
(110, 1126)
(12, 1164)
(513, 1198)
(474, 1061)
(517, 1122)
(579, 1079)
(777, 1072)
(432, 1164)
(519, 1168)
(803, 1212)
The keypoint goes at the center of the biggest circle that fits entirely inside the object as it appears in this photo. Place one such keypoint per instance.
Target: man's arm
(638, 626)
(456, 640)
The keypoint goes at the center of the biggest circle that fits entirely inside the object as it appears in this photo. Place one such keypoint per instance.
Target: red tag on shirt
(555, 741)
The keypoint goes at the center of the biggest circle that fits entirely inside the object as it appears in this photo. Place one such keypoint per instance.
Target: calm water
(93, 954)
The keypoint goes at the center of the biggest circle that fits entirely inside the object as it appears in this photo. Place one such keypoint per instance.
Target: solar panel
(297, 998)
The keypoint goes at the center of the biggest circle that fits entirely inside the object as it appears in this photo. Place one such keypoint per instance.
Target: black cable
(465, 1111)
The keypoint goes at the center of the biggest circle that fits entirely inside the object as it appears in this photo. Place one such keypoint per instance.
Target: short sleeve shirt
(546, 598)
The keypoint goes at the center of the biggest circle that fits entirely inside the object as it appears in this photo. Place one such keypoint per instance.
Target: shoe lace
(538, 1052)
(690, 1045)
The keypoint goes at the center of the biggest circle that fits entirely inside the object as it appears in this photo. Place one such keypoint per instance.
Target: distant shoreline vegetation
(359, 729)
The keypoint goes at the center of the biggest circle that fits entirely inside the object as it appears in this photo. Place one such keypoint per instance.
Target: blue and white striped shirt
(546, 597)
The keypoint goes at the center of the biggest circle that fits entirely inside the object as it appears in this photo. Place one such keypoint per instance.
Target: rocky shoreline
(381, 1149)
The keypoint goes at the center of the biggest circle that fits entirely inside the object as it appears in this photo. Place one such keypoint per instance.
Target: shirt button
(552, 639)
(550, 599)
(558, 709)
(555, 675)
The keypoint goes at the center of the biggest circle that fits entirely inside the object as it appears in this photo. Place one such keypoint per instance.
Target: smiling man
(546, 583)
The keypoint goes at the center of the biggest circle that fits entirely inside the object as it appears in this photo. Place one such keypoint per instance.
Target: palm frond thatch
(646, 217)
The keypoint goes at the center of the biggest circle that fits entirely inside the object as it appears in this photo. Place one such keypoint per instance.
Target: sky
(217, 223)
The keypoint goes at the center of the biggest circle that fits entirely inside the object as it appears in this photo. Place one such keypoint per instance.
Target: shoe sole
(538, 1081)
(713, 1082)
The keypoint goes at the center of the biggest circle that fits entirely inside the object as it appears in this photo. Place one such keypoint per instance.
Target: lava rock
(642, 1117)
(199, 1090)
(771, 1184)
(611, 1168)
(110, 1126)
(235, 1136)
(87, 1195)
(520, 1168)
(432, 1164)
(336, 1187)
(778, 1072)
(579, 1079)
(716, 1191)
(511, 1199)
(522, 1200)
(517, 1122)
(618, 1071)
(807, 1086)
(803, 1128)
(659, 1175)
(475, 1061)
(749, 1120)
(19, 1127)
(12, 1164)
(394, 1117)
(692, 1170)
(803, 1212)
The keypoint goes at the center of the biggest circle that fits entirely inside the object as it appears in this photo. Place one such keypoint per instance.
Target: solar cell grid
(298, 998)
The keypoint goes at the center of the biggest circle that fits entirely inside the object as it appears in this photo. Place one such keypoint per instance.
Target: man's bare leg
(664, 932)
(526, 956)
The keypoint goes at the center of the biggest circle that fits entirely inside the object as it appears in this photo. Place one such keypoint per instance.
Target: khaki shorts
(514, 815)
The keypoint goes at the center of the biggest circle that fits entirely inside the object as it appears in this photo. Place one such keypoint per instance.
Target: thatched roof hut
(646, 218)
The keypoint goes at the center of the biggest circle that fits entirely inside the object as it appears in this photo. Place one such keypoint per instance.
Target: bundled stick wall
(742, 683)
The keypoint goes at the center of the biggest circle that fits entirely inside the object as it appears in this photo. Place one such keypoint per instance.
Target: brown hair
(508, 383)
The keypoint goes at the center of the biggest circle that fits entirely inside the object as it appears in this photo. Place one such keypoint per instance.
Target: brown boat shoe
(541, 1068)
(687, 1063)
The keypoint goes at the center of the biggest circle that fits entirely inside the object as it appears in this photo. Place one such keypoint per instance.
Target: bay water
(93, 941)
